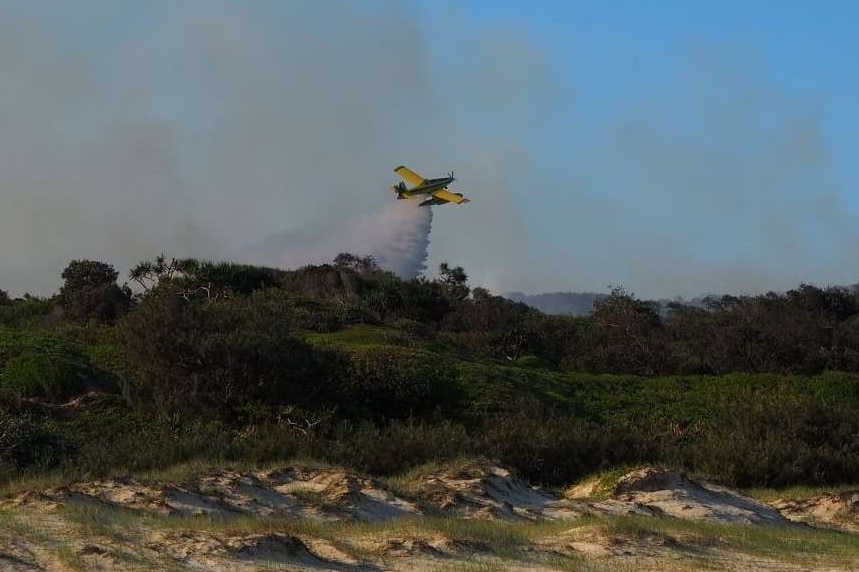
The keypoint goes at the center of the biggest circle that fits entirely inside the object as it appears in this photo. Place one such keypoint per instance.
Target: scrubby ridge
(347, 364)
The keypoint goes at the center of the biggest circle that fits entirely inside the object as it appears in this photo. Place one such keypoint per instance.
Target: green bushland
(348, 364)
(37, 364)
(37, 375)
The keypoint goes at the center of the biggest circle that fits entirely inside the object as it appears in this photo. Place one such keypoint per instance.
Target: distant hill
(566, 303)
(582, 303)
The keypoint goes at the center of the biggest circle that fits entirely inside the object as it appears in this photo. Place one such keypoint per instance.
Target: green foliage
(493, 326)
(626, 336)
(82, 274)
(313, 315)
(35, 375)
(533, 362)
(346, 362)
(90, 292)
(34, 364)
(198, 356)
(774, 439)
(342, 284)
(805, 330)
(418, 299)
(203, 279)
(397, 446)
(414, 328)
(393, 383)
(365, 265)
(25, 441)
(455, 281)
(27, 312)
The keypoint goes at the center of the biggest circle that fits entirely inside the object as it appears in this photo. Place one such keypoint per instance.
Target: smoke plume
(404, 241)
(397, 236)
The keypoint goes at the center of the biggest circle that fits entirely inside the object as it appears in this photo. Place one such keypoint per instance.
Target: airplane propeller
(451, 176)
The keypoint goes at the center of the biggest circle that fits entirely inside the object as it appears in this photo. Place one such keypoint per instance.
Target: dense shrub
(90, 292)
(25, 442)
(41, 365)
(772, 439)
(397, 446)
(212, 357)
(40, 375)
(26, 312)
(393, 383)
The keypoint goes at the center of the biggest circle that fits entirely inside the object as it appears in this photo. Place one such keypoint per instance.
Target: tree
(795, 332)
(366, 265)
(196, 356)
(204, 280)
(4, 298)
(495, 326)
(626, 336)
(90, 292)
(80, 274)
(696, 347)
(454, 280)
(150, 273)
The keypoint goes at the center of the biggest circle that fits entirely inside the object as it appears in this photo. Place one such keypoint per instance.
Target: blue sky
(602, 50)
(674, 147)
(605, 57)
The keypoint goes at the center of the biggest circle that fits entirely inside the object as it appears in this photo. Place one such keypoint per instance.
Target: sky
(676, 148)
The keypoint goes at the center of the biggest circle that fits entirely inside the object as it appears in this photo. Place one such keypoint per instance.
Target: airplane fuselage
(432, 191)
(425, 188)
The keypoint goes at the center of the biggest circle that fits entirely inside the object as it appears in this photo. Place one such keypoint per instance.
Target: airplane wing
(409, 176)
(449, 197)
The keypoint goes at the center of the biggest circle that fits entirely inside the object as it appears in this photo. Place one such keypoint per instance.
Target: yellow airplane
(435, 190)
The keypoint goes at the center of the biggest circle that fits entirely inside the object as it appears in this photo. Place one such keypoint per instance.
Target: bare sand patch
(653, 491)
(487, 491)
(838, 510)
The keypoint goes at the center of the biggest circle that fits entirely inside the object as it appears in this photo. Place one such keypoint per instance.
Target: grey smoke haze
(203, 128)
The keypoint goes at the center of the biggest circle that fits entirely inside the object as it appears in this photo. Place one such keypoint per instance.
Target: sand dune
(468, 514)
